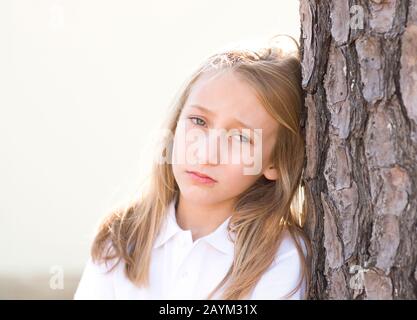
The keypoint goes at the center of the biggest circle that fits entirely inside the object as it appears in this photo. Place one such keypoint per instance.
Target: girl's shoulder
(97, 279)
(284, 274)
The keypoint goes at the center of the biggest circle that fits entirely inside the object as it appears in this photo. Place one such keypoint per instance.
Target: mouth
(201, 177)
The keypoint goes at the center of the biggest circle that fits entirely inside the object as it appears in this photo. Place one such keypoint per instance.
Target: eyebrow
(197, 106)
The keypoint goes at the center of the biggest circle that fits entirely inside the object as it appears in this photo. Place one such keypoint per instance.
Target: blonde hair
(261, 213)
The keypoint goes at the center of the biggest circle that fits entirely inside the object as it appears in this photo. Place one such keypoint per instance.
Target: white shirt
(183, 269)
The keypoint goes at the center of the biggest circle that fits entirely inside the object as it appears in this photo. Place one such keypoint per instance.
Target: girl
(203, 228)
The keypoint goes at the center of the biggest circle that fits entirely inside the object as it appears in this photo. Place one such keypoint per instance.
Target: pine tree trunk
(360, 79)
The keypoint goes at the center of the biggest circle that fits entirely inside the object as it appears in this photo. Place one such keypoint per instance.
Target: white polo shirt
(183, 269)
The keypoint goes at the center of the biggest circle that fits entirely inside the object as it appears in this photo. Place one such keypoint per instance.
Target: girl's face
(221, 121)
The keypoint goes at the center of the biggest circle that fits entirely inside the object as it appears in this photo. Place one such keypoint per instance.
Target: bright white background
(82, 85)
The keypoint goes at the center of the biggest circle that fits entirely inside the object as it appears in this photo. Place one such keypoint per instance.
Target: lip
(201, 177)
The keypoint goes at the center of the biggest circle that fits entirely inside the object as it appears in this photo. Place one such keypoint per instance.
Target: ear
(271, 173)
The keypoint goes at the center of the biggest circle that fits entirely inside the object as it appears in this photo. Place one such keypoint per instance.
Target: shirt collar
(218, 238)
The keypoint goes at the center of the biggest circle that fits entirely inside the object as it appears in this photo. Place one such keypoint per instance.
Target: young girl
(205, 229)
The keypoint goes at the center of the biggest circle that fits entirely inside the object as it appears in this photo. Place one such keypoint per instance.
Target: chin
(199, 195)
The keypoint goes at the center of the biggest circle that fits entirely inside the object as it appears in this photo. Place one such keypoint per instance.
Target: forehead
(228, 96)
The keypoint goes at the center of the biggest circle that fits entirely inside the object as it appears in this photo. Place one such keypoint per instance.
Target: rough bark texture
(360, 124)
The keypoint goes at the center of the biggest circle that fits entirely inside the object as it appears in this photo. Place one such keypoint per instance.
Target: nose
(208, 151)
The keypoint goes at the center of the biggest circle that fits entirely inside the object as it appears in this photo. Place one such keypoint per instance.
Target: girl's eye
(196, 122)
(242, 138)
(200, 122)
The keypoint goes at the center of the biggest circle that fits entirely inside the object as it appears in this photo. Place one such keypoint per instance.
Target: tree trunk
(360, 79)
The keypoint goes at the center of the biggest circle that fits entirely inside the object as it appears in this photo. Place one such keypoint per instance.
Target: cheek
(234, 178)
(178, 148)
(235, 183)
(251, 159)
(186, 143)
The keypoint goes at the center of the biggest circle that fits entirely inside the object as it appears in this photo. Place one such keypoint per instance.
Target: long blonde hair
(260, 214)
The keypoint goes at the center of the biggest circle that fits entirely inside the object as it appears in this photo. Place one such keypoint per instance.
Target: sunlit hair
(261, 214)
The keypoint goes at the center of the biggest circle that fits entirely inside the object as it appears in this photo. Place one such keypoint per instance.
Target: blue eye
(245, 139)
(242, 138)
(196, 122)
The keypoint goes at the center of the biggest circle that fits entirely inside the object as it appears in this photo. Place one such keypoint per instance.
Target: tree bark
(359, 68)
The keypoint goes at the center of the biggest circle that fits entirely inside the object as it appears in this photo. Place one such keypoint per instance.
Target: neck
(201, 219)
